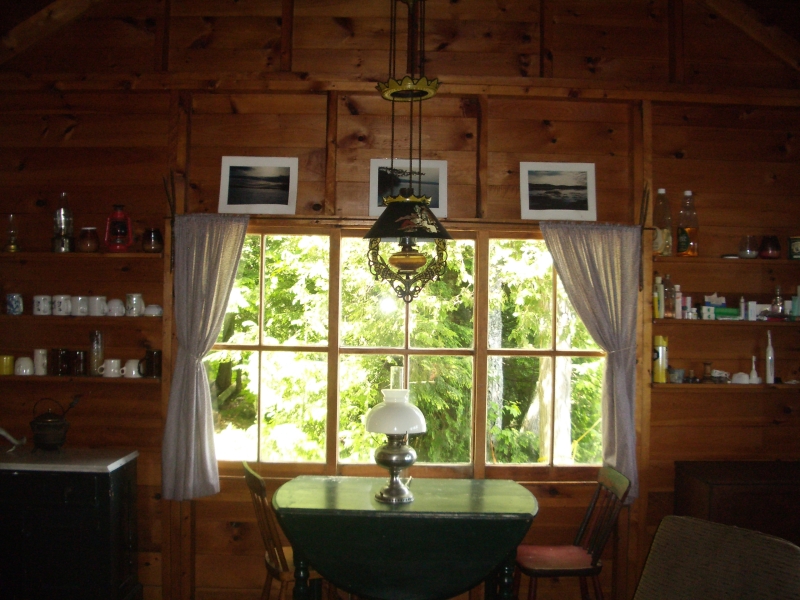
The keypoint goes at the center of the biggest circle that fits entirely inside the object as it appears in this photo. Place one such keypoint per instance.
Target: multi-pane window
(309, 333)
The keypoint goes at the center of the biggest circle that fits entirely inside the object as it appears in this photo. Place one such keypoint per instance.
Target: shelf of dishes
(786, 322)
(717, 387)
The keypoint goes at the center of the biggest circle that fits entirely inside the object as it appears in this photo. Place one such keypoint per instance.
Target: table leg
(505, 577)
(301, 590)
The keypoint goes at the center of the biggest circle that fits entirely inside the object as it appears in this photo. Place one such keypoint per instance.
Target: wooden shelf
(724, 322)
(76, 379)
(12, 256)
(709, 260)
(722, 387)
(73, 320)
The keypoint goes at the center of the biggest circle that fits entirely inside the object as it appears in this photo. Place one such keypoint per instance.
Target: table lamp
(397, 418)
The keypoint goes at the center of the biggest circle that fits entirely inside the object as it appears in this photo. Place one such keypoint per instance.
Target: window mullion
(334, 302)
(554, 378)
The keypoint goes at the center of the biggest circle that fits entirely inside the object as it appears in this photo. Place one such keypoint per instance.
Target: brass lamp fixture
(407, 216)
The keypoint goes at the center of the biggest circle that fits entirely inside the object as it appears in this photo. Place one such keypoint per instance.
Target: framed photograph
(432, 179)
(258, 185)
(563, 191)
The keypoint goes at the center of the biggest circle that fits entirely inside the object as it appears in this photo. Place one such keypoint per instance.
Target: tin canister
(794, 247)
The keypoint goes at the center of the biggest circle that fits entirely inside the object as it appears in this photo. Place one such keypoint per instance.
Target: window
(310, 334)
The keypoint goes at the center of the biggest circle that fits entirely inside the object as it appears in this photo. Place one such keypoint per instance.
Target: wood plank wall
(663, 92)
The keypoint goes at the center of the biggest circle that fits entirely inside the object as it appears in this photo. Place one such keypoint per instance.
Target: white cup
(134, 305)
(80, 306)
(111, 368)
(40, 361)
(153, 310)
(115, 308)
(23, 366)
(131, 369)
(97, 306)
(42, 305)
(62, 305)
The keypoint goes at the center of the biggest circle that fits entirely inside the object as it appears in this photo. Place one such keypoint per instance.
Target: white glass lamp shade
(395, 415)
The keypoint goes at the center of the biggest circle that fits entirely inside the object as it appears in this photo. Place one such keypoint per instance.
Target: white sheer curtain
(207, 251)
(599, 268)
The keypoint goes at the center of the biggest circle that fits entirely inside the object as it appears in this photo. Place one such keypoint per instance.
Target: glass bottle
(662, 224)
(687, 226)
(669, 298)
(95, 353)
(776, 308)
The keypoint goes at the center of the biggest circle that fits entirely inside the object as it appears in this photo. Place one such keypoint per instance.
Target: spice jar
(152, 241)
(88, 240)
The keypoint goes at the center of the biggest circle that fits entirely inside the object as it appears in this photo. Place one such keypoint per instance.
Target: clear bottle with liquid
(669, 298)
(662, 225)
(687, 226)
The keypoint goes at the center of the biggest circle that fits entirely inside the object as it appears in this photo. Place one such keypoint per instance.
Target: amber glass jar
(88, 240)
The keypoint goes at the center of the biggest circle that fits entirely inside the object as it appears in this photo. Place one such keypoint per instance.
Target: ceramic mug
(13, 304)
(23, 366)
(6, 364)
(111, 368)
(79, 306)
(62, 305)
(131, 369)
(40, 361)
(115, 308)
(134, 305)
(153, 310)
(42, 305)
(97, 306)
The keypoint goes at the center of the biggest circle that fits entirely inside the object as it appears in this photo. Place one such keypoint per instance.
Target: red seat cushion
(555, 560)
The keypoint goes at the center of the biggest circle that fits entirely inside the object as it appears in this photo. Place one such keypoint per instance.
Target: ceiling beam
(34, 29)
(775, 40)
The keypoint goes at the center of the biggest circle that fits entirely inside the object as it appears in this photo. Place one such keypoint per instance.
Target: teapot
(49, 428)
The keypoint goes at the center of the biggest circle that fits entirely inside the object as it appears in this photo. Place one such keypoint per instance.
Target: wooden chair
(582, 558)
(279, 559)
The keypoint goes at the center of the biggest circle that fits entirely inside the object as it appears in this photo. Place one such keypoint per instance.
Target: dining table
(456, 534)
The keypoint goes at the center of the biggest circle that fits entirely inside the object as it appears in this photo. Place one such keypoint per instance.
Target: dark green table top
(455, 533)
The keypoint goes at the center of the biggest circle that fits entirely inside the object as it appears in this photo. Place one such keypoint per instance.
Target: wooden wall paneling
(718, 52)
(42, 24)
(263, 125)
(482, 166)
(546, 22)
(332, 132)
(91, 37)
(208, 36)
(677, 63)
(771, 37)
(450, 132)
(549, 131)
(287, 33)
(161, 45)
(624, 40)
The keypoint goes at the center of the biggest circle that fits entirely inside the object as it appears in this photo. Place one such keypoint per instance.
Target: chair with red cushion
(582, 558)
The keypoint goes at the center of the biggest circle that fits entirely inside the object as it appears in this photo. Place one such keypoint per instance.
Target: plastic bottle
(769, 360)
(658, 298)
(669, 298)
(687, 226)
(678, 302)
(753, 373)
(660, 359)
(662, 225)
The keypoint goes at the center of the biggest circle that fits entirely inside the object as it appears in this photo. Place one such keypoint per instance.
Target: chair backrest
(695, 559)
(267, 521)
(601, 516)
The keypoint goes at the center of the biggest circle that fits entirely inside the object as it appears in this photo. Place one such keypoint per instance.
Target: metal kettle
(49, 428)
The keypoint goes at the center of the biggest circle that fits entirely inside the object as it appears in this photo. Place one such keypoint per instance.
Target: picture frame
(557, 191)
(258, 185)
(433, 184)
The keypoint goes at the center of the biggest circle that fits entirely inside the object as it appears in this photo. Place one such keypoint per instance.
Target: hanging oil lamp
(119, 233)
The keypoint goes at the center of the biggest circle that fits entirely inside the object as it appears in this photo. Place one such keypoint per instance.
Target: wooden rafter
(775, 40)
(50, 19)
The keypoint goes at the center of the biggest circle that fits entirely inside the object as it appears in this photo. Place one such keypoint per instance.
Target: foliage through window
(272, 368)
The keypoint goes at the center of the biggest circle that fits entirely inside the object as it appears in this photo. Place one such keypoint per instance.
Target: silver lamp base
(395, 456)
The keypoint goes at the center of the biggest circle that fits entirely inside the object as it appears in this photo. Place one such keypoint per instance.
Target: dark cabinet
(760, 495)
(68, 526)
